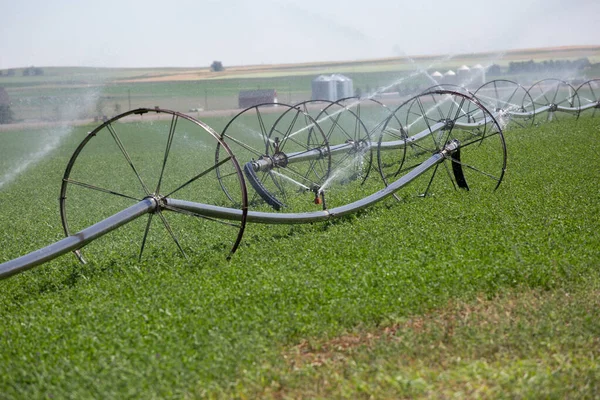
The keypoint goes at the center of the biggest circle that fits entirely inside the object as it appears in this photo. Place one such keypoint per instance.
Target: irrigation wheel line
(465, 138)
(157, 202)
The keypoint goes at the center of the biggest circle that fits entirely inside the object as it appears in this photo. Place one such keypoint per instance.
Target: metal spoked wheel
(555, 97)
(433, 120)
(344, 130)
(284, 153)
(160, 154)
(510, 103)
(589, 95)
(412, 115)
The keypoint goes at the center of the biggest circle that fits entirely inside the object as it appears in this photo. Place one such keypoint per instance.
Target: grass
(460, 294)
(482, 348)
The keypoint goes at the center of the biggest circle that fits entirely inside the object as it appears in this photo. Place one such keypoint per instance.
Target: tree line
(30, 71)
(516, 67)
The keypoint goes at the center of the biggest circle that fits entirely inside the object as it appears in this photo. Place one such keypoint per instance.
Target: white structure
(449, 77)
(332, 87)
(437, 75)
(464, 75)
(344, 86)
(478, 75)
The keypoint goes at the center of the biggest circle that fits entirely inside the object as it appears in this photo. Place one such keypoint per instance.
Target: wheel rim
(503, 97)
(482, 155)
(113, 168)
(589, 93)
(554, 92)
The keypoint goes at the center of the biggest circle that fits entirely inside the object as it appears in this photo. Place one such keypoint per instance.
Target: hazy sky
(151, 33)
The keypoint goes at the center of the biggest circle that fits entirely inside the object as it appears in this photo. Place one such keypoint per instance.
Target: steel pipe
(232, 214)
(78, 240)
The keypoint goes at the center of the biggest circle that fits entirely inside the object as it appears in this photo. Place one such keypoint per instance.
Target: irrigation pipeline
(156, 204)
(268, 163)
(77, 241)
(152, 205)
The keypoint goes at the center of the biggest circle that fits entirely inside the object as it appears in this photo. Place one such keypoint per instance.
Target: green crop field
(468, 294)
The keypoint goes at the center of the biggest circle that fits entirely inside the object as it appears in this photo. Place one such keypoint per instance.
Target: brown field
(374, 65)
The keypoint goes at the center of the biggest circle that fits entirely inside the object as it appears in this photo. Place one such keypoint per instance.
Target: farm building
(6, 115)
(4, 99)
(249, 98)
(332, 87)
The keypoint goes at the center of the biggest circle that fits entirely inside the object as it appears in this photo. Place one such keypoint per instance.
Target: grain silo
(324, 88)
(343, 85)
(464, 75)
(449, 77)
(478, 74)
(437, 75)
(332, 87)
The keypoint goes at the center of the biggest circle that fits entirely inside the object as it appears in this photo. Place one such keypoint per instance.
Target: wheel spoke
(93, 187)
(289, 134)
(127, 157)
(450, 175)
(431, 180)
(263, 129)
(200, 175)
(493, 177)
(244, 145)
(145, 236)
(304, 177)
(167, 151)
(171, 233)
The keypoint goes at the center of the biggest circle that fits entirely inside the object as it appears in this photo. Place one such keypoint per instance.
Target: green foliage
(170, 328)
(33, 71)
(217, 66)
(519, 344)
(518, 67)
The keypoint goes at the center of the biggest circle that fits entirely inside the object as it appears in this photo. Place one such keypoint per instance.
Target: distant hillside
(374, 65)
(88, 75)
